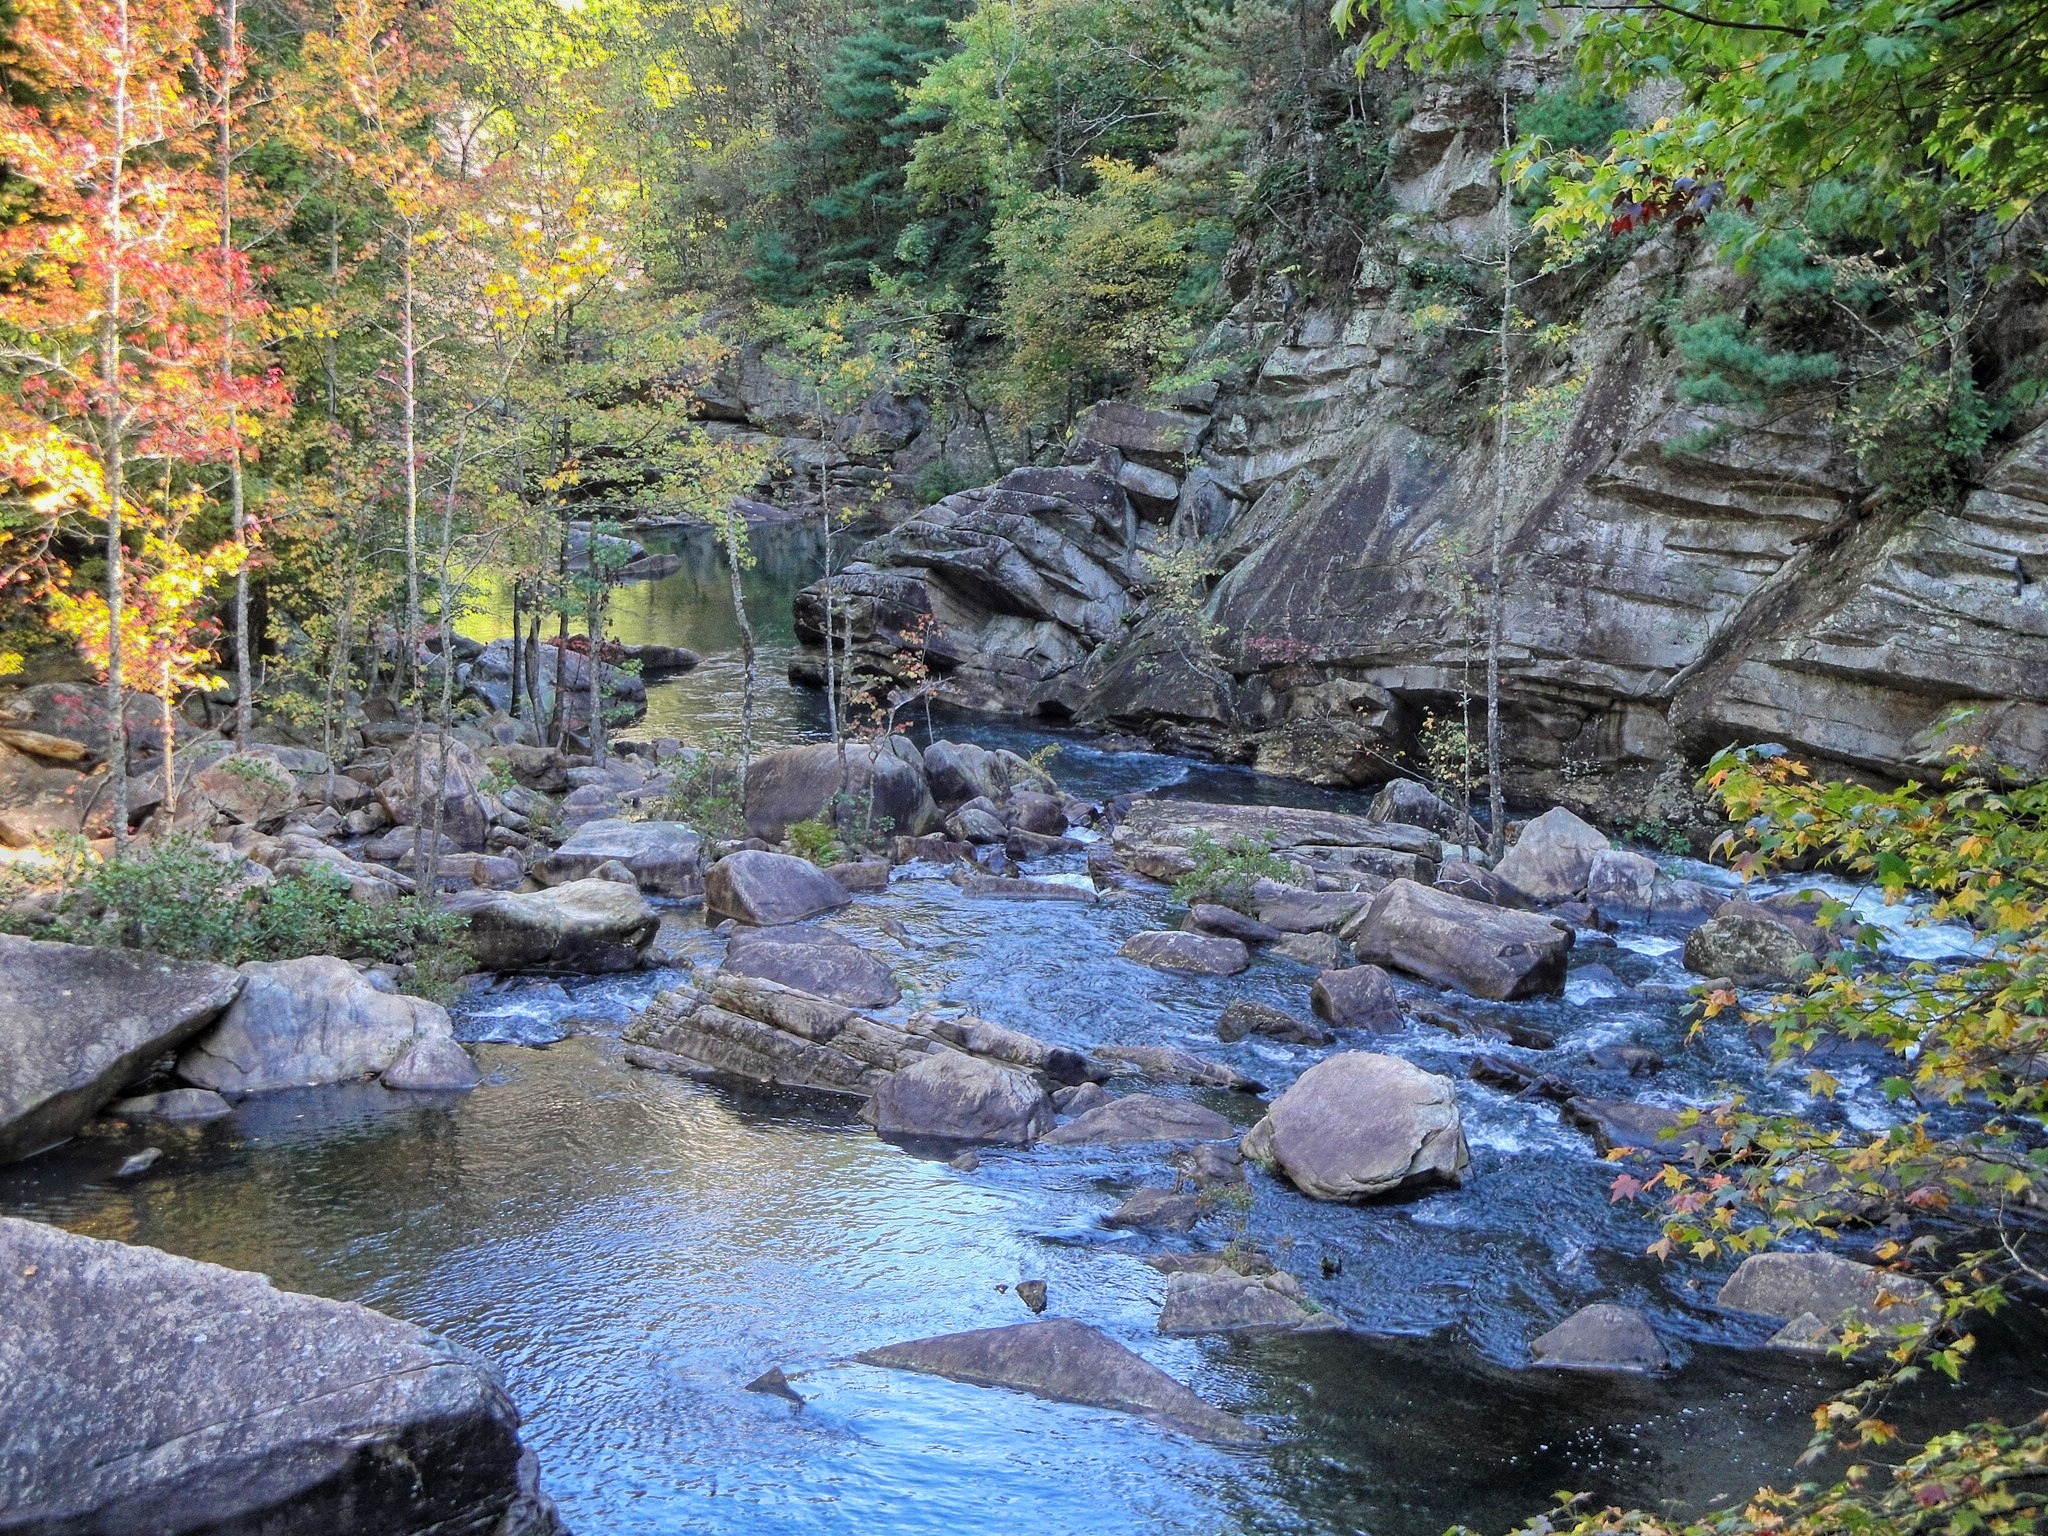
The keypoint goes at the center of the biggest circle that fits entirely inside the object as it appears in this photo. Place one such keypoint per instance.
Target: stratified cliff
(1676, 577)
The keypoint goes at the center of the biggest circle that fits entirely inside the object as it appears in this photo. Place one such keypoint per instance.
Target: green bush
(177, 898)
(814, 840)
(1225, 872)
(706, 795)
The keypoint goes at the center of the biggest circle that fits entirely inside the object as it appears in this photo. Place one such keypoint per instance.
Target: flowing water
(630, 1249)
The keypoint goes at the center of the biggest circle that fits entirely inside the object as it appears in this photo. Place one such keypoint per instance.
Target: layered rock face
(1677, 577)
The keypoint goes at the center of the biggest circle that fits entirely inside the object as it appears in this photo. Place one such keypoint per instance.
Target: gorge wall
(1677, 577)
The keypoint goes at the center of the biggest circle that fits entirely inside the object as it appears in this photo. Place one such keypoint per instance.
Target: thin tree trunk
(411, 640)
(739, 614)
(170, 802)
(831, 661)
(231, 45)
(110, 448)
(517, 636)
(1496, 796)
(596, 663)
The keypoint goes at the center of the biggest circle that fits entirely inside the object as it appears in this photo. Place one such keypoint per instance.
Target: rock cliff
(1677, 577)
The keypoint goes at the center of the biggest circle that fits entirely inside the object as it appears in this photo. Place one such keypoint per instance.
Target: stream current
(629, 1249)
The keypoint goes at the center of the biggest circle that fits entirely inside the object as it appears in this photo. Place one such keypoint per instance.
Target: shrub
(706, 795)
(1224, 873)
(178, 898)
(816, 841)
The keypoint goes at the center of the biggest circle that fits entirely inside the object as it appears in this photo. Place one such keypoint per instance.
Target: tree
(114, 301)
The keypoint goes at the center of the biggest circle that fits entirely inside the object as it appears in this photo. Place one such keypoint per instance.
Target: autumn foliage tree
(116, 292)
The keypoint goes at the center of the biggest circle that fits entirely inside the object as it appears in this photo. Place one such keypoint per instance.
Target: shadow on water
(629, 1249)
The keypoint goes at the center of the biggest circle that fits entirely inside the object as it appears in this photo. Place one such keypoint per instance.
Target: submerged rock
(1140, 1117)
(768, 888)
(79, 1024)
(961, 1098)
(174, 1104)
(1154, 1209)
(143, 1392)
(1169, 1064)
(1069, 1362)
(1753, 946)
(1486, 951)
(1245, 1017)
(1358, 1126)
(1171, 950)
(1602, 1337)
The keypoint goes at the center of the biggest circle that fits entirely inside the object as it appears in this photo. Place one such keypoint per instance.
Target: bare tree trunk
(517, 636)
(746, 627)
(170, 801)
(230, 61)
(597, 666)
(110, 450)
(1496, 796)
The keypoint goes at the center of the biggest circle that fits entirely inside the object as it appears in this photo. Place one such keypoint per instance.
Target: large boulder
(1602, 1337)
(961, 1098)
(1487, 951)
(1753, 946)
(1140, 1117)
(666, 857)
(1825, 1290)
(768, 888)
(1416, 805)
(1357, 997)
(586, 926)
(814, 960)
(1070, 1363)
(959, 771)
(1633, 886)
(804, 783)
(312, 1020)
(144, 1392)
(78, 1024)
(249, 788)
(1207, 1301)
(1169, 949)
(1553, 857)
(1357, 1126)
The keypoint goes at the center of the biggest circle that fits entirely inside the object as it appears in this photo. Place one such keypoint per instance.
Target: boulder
(1602, 1337)
(1320, 950)
(977, 825)
(433, 1064)
(961, 1098)
(666, 857)
(1140, 1117)
(1222, 1302)
(1475, 882)
(1623, 1125)
(1170, 950)
(1753, 946)
(1359, 997)
(803, 783)
(1228, 923)
(1168, 1064)
(812, 959)
(452, 779)
(586, 926)
(1415, 805)
(144, 1392)
(1068, 1362)
(1829, 1288)
(1035, 811)
(959, 771)
(1154, 1209)
(1553, 858)
(1358, 1126)
(1244, 1017)
(1487, 951)
(301, 1022)
(1633, 886)
(248, 788)
(78, 1024)
(1080, 1098)
(768, 888)
(1291, 909)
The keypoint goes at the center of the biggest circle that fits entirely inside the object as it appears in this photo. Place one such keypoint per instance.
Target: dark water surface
(630, 1249)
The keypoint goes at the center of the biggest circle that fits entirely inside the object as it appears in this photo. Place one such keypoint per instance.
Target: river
(630, 1249)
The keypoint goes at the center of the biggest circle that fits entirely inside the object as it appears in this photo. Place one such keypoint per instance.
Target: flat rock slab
(1141, 1117)
(1068, 1362)
(1602, 1337)
(1221, 1302)
(143, 1392)
(78, 1024)
(814, 960)
(1169, 1064)
(591, 927)
(768, 888)
(665, 857)
(1172, 950)
(995, 887)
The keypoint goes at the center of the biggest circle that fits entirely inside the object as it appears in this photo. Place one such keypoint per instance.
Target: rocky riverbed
(705, 1151)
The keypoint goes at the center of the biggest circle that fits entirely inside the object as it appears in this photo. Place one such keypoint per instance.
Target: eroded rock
(1359, 1126)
